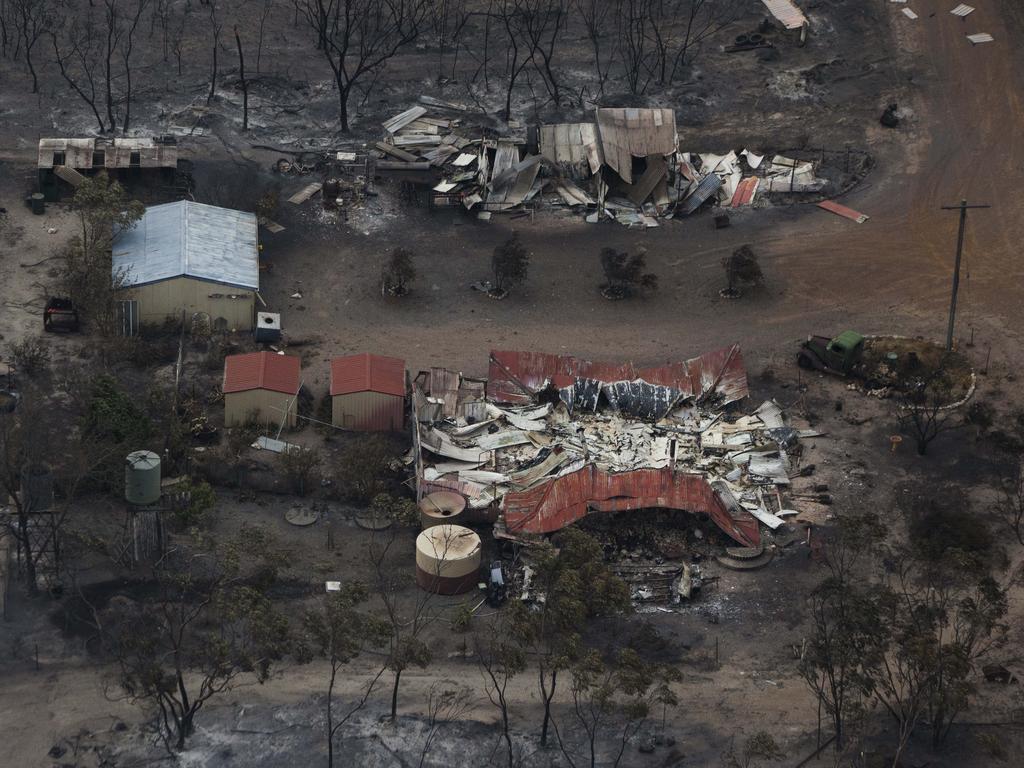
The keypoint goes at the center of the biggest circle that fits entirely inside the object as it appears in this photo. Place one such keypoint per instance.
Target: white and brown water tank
(447, 559)
(441, 507)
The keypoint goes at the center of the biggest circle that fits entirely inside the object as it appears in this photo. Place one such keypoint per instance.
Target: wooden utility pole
(962, 207)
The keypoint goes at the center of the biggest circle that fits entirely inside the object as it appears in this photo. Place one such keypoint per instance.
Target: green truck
(839, 355)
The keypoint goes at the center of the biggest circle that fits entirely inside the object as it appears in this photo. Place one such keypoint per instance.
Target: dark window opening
(58, 158)
(99, 159)
(135, 160)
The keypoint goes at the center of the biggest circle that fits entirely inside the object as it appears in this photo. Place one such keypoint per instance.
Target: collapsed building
(626, 165)
(548, 439)
(64, 163)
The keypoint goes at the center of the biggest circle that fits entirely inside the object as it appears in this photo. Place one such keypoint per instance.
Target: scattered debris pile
(549, 439)
(625, 166)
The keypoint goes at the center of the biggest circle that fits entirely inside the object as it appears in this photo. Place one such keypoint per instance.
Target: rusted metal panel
(517, 377)
(745, 191)
(560, 502)
(842, 210)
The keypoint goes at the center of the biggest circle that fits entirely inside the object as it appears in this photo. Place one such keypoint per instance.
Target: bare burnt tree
(209, 620)
(268, 6)
(1010, 508)
(359, 37)
(596, 16)
(701, 20)
(215, 27)
(446, 703)
(244, 82)
(131, 24)
(500, 659)
(924, 408)
(448, 18)
(24, 439)
(339, 631)
(93, 51)
(544, 21)
(659, 39)
(77, 52)
(5, 26)
(32, 18)
(520, 48)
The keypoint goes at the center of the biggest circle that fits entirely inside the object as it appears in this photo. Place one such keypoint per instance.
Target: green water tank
(142, 478)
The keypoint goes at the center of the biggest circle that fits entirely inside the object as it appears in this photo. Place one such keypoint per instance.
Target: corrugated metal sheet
(708, 186)
(400, 121)
(190, 239)
(368, 373)
(842, 210)
(745, 191)
(629, 133)
(557, 503)
(572, 146)
(517, 377)
(787, 12)
(261, 370)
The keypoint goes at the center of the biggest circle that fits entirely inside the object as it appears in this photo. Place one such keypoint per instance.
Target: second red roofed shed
(368, 393)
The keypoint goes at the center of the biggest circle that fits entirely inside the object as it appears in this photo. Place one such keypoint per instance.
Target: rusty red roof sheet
(553, 505)
(261, 370)
(516, 377)
(368, 373)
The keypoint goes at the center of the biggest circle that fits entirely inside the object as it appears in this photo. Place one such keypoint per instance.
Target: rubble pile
(626, 166)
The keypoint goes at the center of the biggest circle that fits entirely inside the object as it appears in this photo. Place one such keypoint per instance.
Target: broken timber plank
(842, 210)
(271, 226)
(70, 175)
(305, 193)
(401, 154)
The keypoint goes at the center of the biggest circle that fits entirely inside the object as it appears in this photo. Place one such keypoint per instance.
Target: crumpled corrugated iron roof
(633, 132)
(555, 504)
(517, 377)
(261, 370)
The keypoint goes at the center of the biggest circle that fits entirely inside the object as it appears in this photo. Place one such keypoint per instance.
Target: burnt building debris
(626, 165)
(547, 440)
(64, 163)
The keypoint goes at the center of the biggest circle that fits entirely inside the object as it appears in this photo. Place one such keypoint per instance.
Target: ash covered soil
(823, 274)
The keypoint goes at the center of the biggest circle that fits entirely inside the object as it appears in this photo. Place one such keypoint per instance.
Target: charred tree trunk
(394, 695)
(245, 84)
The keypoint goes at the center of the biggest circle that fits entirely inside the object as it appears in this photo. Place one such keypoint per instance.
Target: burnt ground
(824, 274)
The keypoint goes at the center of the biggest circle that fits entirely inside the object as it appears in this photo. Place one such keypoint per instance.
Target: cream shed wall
(270, 406)
(158, 301)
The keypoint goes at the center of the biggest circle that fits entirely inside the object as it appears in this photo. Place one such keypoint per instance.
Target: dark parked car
(60, 315)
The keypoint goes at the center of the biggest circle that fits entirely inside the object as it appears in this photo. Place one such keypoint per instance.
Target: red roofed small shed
(260, 384)
(368, 393)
